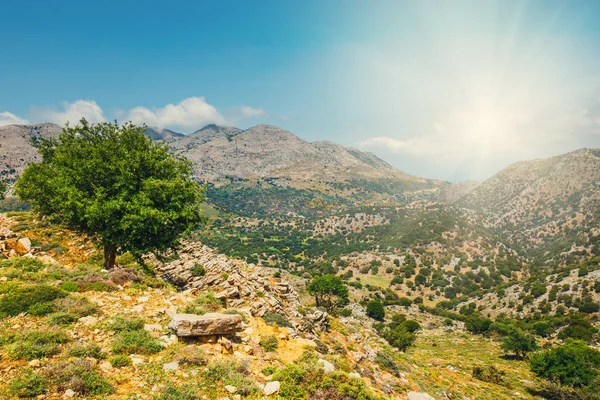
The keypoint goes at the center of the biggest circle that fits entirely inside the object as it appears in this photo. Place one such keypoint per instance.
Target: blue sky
(445, 89)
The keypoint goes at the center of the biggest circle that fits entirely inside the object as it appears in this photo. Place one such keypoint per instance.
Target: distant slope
(546, 202)
(16, 150)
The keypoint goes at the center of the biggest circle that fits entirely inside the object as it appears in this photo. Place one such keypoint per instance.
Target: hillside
(544, 207)
(105, 334)
(15, 147)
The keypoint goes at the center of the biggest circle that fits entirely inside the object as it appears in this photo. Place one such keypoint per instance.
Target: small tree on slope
(115, 184)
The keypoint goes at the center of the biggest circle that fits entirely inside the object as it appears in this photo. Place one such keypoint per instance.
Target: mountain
(163, 134)
(266, 151)
(542, 203)
(16, 150)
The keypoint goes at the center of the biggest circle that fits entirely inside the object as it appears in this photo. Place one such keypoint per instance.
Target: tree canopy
(329, 291)
(574, 364)
(115, 184)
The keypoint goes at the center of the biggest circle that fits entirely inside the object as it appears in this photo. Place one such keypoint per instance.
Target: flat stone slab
(190, 325)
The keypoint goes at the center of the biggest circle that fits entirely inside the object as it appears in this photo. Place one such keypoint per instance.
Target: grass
(375, 280)
(28, 384)
(444, 363)
(34, 344)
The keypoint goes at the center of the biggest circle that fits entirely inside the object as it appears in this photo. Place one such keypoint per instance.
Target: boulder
(326, 365)
(272, 388)
(205, 325)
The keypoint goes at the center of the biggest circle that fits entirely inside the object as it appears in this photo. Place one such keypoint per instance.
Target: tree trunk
(110, 255)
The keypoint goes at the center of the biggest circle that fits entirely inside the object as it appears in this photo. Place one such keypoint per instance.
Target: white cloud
(7, 118)
(72, 113)
(250, 112)
(193, 112)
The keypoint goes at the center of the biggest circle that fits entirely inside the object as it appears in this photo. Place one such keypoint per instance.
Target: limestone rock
(272, 388)
(327, 366)
(205, 325)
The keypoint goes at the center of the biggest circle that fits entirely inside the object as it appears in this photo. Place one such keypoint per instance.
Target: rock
(137, 361)
(153, 327)
(172, 366)
(231, 389)
(354, 375)
(105, 366)
(272, 388)
(419, 396)
(34, 363)
(327, 366)
(208, 324)
(23, 246)
(70, 393)
(226, 344)
(88, 320)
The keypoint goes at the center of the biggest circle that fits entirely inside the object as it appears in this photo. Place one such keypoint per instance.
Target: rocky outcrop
(13, 245)
(237, 284)
(186, 325)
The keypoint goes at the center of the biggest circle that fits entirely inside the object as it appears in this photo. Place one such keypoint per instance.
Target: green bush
(399, 337)
(135, 342)
(198, 270)
(573, 364)
(519, 343)
(269, 343)
(182, 392)
(70, 286)
(231, 373)
(375, 310)
(387, 363)
(91, 350)
(278, 319)
(34, 344)
(489, 374)
(120, 324)
(80, 376)
(28, 384)
(21, 299)
(346, 312)
(120, 360)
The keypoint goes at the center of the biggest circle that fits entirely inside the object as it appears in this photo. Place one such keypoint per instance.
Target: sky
(451, 90)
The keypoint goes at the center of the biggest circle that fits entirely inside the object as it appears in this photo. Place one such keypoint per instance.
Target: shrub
(198, 270)
(519, 343)
(474, 324)
(573, 364)
(95, 282)
(399, 337)
(489, 374)
(269, 343)
(375, 310)
(21, 299)
(62, 318)
(33, 344)
(120, 276)
(120, 324)
(78, 306)
(231, 373)
(136, 342)
(346, 312)
(28, 384)
(70, 286)
(91, 350)
(191, 355)
(182, 392)
(410, 325)
(80, 376)
(387, 363)
(120, 360)
(278, 319)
